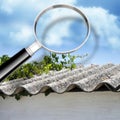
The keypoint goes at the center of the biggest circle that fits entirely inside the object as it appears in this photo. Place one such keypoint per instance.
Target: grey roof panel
(86, 78)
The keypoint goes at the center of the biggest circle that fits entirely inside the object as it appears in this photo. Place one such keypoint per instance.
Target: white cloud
(104, 22)
(60, 29)
(22, 32)
(53, 40)
(22, 35)
(56, 34)
(105, 25)
(10, 6)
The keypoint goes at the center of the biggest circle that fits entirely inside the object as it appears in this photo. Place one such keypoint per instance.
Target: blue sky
(103, 46)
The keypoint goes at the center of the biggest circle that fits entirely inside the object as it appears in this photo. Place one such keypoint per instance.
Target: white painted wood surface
(67, 106)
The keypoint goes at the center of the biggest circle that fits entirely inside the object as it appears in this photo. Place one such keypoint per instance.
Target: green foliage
(3, 59)
(49, 62)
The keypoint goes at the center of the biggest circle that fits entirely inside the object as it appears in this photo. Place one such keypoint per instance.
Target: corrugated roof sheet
(85, 78)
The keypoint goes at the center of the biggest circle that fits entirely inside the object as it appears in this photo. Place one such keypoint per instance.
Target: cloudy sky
(103, 46)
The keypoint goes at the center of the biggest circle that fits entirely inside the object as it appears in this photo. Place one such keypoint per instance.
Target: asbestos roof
(87, 79)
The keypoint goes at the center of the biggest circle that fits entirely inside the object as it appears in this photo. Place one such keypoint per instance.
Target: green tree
(3, 59)
(48, 63)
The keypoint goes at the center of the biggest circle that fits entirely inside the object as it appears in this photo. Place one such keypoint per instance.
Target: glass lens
(61, 29)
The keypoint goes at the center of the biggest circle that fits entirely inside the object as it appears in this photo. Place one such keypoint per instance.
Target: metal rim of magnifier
(69, 7)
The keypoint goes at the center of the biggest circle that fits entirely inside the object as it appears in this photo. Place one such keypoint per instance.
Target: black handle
(14, 62)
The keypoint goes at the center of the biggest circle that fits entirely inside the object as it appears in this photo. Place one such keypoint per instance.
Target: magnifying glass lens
(61, 29)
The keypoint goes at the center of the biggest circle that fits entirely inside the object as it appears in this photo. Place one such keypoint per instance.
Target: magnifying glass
(26, 53)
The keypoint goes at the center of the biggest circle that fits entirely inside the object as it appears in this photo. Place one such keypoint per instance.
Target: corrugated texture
(85, 78)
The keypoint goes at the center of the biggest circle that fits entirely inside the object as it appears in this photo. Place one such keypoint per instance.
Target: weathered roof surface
(85, 78)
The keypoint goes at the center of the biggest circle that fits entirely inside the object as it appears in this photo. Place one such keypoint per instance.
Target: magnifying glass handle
(9, 66)
(14, 62)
